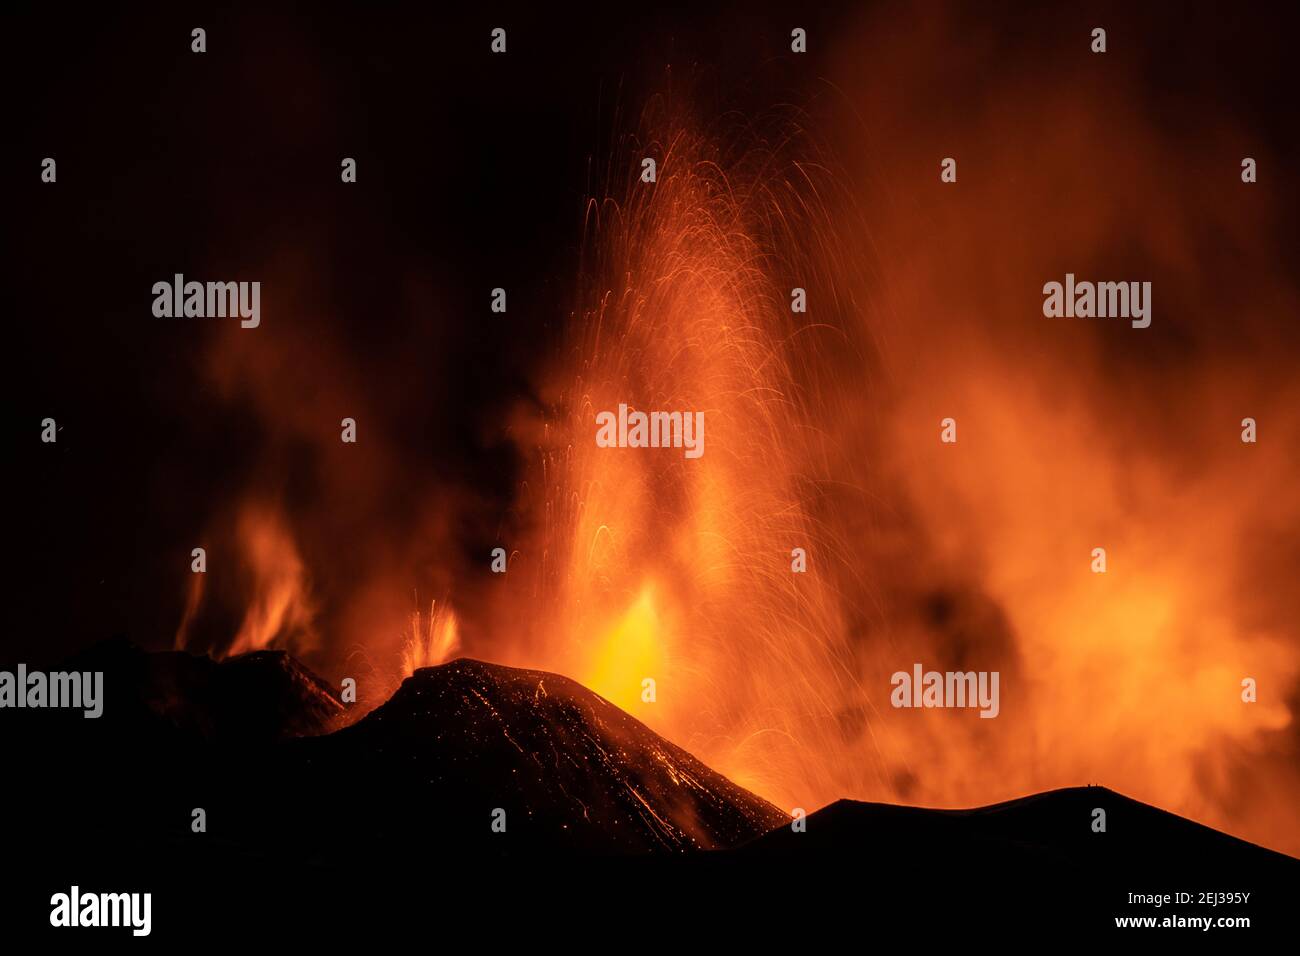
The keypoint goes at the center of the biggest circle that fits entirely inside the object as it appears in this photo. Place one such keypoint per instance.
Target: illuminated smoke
(433, 639)
(823, 434)
(275, 596)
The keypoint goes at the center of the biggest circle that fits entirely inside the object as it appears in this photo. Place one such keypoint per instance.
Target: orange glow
(431, 642)
(279, 608)
(274, 586)
(632, 651)
(823, 434)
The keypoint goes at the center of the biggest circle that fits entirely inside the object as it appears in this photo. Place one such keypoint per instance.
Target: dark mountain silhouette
(602, 815)
(1036, 861)
(246, 739)
(1045, 833)
(459, 744)
(255, 697)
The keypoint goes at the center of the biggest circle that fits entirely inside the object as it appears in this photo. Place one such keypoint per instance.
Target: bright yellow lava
(631, 652)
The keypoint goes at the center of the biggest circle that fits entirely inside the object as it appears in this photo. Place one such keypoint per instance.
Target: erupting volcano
(751, 601)
(730, 442)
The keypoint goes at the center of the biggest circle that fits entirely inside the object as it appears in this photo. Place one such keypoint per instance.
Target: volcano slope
(1033, 858)
(310, 829)
(466, 758)
(478, 758)
(307, 828)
